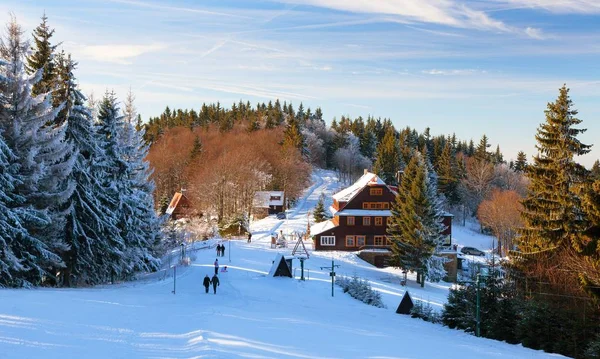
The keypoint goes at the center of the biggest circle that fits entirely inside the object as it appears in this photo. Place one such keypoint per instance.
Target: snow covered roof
(174, 203)
(348, 193)
(265, 199)
(321, 227)
(365, 212)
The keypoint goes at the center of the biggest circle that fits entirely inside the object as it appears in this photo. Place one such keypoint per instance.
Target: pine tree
(497, 158)
(90, 230)
(595, 171)
(388, 162)
(197, 148)
(319, 213)
(43, 161)
(481, 151)
(415, 226)
(42, 58)
(292, 137)
(521, 162)
(447, 175)
(552, 210)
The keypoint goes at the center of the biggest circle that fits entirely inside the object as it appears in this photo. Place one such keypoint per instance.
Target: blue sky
(457, 66)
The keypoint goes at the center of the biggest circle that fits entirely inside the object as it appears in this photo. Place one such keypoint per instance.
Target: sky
(469, 67)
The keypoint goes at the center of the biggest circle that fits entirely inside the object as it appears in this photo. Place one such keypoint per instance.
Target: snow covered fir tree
(78, 199)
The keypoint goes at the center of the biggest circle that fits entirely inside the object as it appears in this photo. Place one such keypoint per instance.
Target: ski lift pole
(332, 274)
(174, 277)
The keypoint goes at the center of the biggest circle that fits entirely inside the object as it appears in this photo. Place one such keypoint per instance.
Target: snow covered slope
(251, 315)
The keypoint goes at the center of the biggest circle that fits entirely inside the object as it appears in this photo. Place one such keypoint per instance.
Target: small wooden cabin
(268, 202)
(181, 207)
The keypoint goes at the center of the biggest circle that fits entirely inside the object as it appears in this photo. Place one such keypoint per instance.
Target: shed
(406, 304)
(181, 207)
(282, 266)
(268, 202)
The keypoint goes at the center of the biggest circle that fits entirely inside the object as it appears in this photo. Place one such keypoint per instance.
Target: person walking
(215, 283)
(206, 283)
(223, 250)
(249, 237)
(216, 266)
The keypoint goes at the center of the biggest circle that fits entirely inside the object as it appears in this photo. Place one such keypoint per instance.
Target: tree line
(76, 204)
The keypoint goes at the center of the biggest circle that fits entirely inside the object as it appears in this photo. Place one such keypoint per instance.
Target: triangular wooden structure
(406, 304)
(300, 252)
(280, 267)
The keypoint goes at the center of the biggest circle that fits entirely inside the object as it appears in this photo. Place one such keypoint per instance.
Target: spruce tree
(319, 213)
(552, 213)
(90, 231)
(415, 226)
(292, 137)
(41, 163)
(447, 175)
(521, 162)
(42, 58)
(481, 151)
(388, 162)
(595, 171)
(196, 149)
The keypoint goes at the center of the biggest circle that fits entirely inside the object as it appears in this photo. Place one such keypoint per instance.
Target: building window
(378, 221)
(376, 191)
(360, 241)
(350, 241)
(386, 205)
(365, 205)
(378, 205)
(350, 221)
(366, 221)
(328, 240)
(378, 240)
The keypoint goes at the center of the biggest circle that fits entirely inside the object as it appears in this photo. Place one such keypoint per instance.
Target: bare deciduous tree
(502, 214)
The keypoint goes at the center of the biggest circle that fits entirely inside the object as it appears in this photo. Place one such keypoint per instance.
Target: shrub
(361, 290)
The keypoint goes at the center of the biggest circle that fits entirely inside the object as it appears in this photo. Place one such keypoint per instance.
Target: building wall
(365, 196)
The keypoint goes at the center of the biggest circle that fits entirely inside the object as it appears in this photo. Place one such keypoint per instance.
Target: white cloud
(534, 33)
(445, 12)
(120, 54)
(559, 6)
(453, 72)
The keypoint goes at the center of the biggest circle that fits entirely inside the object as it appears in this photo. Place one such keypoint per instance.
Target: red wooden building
(360, 215)
(181, 207)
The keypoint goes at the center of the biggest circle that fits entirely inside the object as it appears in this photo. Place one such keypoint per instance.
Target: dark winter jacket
(215, 281)
(206, 281)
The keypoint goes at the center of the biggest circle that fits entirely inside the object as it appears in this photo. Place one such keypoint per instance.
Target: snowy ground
(251, 315)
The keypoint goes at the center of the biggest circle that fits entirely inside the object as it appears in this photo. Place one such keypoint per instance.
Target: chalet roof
(174, 202)
(265, 199)
(321, 227)
(348, 193)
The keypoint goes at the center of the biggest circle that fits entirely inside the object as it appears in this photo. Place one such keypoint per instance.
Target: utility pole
(332, 274)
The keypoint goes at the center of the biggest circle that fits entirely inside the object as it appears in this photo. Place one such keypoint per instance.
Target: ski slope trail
(250, 316)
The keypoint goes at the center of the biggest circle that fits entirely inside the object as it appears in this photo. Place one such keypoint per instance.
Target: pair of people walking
(220, 250)
(214, 281)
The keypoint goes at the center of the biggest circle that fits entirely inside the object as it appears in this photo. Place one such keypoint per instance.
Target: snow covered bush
(425, 312)
(361, 290)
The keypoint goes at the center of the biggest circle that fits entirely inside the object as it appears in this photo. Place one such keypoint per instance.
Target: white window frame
(327, 240)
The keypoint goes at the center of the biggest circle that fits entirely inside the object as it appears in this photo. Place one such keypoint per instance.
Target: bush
(361, 290)
(425, 312)
(593, 349)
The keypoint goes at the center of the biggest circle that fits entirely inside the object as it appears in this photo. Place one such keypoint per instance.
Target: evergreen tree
(197, 148)
(42, 58)
(319, 213)
(481, 151)
(521, 162)
(40, 162)
(388, 162)
(292, 137)
(552, 211)
(497, 158)
(595, 171)
(90, 231)
(447, 176)
(415, 226)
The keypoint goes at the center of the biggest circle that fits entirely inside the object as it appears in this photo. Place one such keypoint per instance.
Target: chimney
(366, 171)
(182, 190)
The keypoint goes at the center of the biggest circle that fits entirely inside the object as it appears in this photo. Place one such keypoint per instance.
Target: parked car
(281, 215)
(472, 250)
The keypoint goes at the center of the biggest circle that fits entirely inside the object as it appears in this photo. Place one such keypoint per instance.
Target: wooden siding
(365, 196)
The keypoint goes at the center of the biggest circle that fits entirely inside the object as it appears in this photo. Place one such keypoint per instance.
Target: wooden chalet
(180, 207)
(360, 216)
(268, 202)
